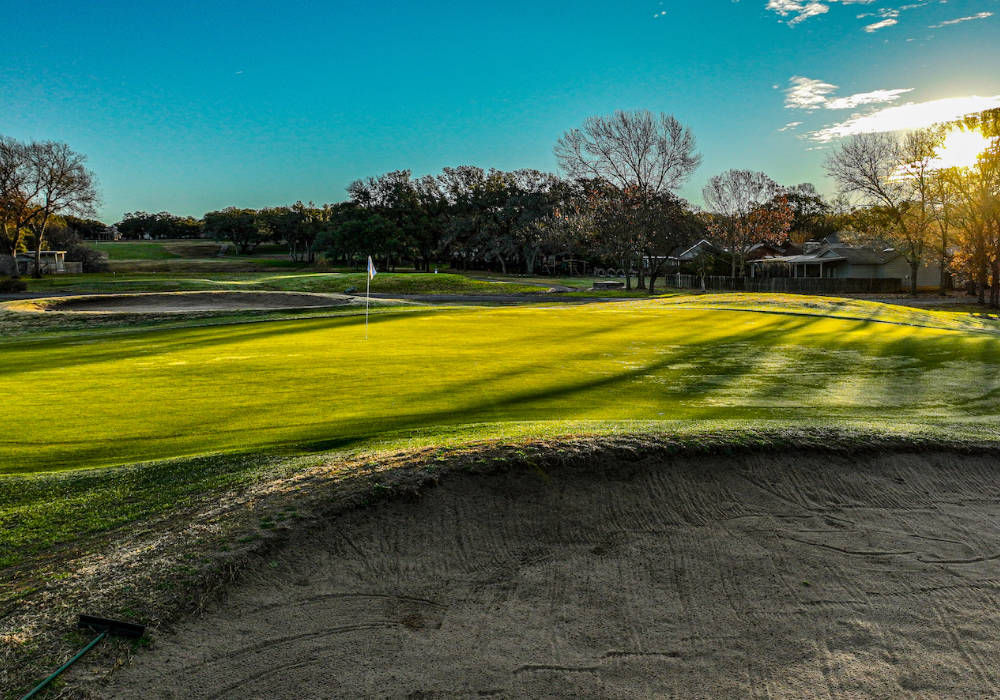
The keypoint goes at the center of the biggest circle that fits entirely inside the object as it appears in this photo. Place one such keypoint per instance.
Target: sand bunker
(752, 576)
(183, 302)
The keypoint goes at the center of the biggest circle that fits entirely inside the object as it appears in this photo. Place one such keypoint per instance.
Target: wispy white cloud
(913, 115)
(807, 93)
(811, 94)
(866, 98)
(789, 126)
(959, 20)
(882, 24)
(801, 10)
(796, 11)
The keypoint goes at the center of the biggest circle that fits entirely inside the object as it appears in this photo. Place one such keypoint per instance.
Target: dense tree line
(616, 206)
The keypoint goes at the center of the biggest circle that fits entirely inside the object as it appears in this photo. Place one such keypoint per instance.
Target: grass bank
(385, 283)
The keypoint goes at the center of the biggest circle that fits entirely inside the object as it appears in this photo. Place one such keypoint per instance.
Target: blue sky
(192, 106)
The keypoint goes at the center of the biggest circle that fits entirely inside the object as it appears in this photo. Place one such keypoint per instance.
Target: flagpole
(368, 293)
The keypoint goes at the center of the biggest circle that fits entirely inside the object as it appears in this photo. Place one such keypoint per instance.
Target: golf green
(91, 400)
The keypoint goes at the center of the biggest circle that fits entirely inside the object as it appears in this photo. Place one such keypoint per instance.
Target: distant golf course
(465, 373)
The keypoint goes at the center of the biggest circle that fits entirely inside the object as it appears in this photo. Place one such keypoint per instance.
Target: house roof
(694, 251)
(837, 253)
(798, 259)
(860, 256)
(31, 255)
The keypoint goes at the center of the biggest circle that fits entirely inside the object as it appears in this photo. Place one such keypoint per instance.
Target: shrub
(64, 238)
(12, 284)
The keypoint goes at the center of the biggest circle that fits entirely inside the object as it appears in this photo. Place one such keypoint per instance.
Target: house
(837, 260)
(759, 251)
(51, 261)
(109, 233)
(682, 254)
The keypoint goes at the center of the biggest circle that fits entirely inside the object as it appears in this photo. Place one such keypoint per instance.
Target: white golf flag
(371, 269)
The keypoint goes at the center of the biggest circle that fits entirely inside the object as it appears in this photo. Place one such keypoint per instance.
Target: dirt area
(185, 302)
(794, 573)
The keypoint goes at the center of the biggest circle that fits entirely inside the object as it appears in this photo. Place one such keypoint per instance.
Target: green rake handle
(31, 693)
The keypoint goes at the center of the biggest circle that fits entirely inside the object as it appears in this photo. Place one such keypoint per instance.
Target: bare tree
(630, 149)
(62, 184)
(742, 203)
(18, 190)
(895, 176)
(945, 203)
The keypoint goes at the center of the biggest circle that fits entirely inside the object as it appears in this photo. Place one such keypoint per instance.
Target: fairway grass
(336, 282)
(314, 384)
(132, 250)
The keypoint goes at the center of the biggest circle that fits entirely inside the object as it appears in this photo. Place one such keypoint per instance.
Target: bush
(64, 238)
(9, 285)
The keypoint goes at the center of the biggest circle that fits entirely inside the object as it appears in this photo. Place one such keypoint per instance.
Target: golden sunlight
(961, 149)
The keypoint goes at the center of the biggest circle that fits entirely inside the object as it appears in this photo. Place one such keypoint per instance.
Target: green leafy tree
(237, 226)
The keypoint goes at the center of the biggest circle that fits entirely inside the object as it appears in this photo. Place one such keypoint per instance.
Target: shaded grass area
(37, 514)
(385, 283)
(54, 325)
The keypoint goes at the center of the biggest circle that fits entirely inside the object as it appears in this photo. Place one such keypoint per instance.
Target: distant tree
(18, 189)
(975, 212)
(296, 225)
(895, 176)
(653, 152)
(946, 201)
(353, 232)
(606, 216)
(238, 226)
(665, 223)
(459, 186)
(749, 207)
(64, 186)
(811, 215)
(85, 229)
(532, 198)
(140, 224)
(494, 238)
(395, 198)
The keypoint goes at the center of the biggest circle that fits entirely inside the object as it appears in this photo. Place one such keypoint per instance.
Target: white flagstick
(368, 291)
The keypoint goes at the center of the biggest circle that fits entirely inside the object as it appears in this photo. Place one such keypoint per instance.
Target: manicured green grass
(133, 250)
(310, 384)
(384, 283)
(658, 291)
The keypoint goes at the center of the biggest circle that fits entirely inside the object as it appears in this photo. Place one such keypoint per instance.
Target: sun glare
(961, 149)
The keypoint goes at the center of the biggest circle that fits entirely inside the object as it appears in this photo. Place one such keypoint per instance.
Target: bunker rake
(103, 627)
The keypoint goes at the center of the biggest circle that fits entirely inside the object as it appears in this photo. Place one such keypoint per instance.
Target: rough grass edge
(175, 565)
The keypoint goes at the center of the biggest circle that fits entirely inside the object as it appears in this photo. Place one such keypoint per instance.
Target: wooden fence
(792, 285)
